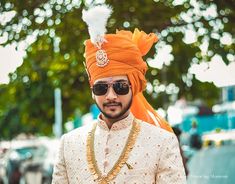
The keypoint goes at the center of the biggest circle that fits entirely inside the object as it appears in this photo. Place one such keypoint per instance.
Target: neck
(110, 121)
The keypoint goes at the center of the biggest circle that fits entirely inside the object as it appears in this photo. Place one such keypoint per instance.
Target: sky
(9, 61)
(215, 71)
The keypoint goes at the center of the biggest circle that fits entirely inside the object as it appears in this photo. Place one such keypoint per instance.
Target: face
(114, 99)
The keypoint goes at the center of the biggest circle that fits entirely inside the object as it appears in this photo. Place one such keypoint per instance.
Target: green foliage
(55, 58)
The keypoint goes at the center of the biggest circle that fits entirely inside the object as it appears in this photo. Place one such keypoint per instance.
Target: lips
(112, 104)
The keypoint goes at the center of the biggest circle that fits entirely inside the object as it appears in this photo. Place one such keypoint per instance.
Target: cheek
(99, 99)
(126, 98)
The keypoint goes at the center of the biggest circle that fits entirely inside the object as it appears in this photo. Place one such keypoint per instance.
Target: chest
(141, 164)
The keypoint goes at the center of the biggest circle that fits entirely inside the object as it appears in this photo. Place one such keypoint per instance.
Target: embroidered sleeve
(170, 169)
(59, 172)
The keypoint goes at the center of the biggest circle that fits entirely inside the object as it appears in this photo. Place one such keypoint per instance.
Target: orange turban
(124, 52)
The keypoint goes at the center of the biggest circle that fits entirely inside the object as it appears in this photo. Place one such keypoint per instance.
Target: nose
(111, 95)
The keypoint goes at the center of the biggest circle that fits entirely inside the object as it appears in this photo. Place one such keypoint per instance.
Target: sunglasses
(120, 88)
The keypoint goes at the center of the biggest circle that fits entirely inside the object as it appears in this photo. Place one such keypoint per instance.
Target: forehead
(113, 78)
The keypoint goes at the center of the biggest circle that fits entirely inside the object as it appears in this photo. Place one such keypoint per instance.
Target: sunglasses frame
(112, 84)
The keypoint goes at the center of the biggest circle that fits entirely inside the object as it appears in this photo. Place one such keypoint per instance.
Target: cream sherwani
(155, 157)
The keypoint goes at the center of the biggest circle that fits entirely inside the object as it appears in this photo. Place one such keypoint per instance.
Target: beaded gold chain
(92, 162)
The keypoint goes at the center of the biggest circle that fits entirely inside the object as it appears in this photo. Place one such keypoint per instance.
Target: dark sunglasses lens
(121, 88)
(100, 89)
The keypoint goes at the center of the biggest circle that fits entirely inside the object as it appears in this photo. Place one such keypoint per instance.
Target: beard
(120, 114)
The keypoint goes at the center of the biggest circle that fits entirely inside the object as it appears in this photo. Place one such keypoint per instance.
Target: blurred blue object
(94, 111)
(77, 119)
(29, 161)
(209, 122)
(14, 158)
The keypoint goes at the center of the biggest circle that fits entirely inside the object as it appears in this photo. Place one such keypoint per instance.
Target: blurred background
(44, 89)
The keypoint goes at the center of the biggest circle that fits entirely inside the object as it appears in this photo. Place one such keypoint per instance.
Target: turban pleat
(140, 107)
(142, 110)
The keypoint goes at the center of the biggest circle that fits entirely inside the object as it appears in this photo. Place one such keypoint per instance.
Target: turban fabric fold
(125, 51)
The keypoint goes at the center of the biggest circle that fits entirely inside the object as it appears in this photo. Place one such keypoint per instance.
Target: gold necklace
(92, 163)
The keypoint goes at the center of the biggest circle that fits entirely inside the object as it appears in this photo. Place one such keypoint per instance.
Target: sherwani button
(106, 150)
(105, 163)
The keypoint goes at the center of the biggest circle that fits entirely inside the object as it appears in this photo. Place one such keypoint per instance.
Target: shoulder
(78, 132)
(156, 132)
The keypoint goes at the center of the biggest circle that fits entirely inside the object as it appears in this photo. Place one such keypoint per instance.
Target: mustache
(112, 103)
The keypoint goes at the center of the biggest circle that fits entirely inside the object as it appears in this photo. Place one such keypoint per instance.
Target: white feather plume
(96, 19)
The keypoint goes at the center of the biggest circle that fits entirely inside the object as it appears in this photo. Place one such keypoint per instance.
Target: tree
(54, 58)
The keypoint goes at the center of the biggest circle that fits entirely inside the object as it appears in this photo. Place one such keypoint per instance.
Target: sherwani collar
(119, 125)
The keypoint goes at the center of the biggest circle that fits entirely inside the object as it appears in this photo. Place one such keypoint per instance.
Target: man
(195, 141)
(129, 143)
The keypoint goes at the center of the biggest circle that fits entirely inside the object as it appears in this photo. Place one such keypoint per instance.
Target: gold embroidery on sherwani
(92, 163)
